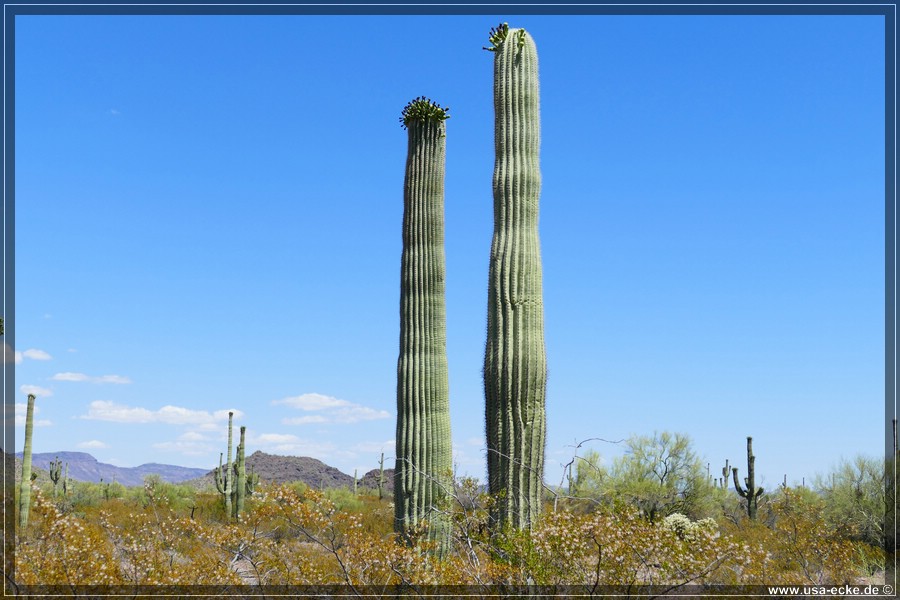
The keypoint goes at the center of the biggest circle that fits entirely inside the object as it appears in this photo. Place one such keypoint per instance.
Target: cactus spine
(223, 475)
(25, 487)
(752, 493)
(515, 363)
(424, 458)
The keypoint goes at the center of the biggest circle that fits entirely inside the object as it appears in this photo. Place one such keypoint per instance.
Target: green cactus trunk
(25, 488)
(752, 493)
(381, 477)
(240, 472)
(515, 362)
(55, 473)
(424, 459)
(65, 484)
(224, 476)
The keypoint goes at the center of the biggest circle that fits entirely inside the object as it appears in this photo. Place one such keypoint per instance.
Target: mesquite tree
(424, 459)
(515, 362)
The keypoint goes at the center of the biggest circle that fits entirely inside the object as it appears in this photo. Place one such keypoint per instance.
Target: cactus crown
(499, 34)
(422, 109)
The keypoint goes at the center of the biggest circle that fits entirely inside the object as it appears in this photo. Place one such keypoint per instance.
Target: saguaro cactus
(515, 362)
(56, 472)
(25, 486)
(381, 477)
(224, 475)
(752, 493)
(424, 459)
(65, 485)
(240, 475)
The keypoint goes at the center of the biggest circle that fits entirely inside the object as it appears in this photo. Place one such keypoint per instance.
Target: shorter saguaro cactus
(252, 481)
(240, 476)
(55, 473)
(752, 493)
(381, 477)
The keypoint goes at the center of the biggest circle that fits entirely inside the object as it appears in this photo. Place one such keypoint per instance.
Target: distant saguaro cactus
(515, 361)
(752, 493)
(381, 477)
(55, 468)
(424, 459)
(25, 486)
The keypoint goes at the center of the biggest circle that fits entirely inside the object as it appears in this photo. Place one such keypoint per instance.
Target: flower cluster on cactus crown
(498, 36)
(423, 109)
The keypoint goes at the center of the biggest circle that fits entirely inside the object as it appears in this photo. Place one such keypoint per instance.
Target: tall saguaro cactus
(224, 475)
(515, 362)
(424, 459)
(752, 493)
(25, 487)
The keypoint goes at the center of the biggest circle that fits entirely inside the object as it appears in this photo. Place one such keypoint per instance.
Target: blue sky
(208, 214)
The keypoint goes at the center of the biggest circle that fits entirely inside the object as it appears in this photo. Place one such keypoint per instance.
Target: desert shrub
(344, 499)
(61, 549)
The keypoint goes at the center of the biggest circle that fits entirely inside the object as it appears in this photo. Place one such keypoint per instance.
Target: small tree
(855, 498)
(662, 475)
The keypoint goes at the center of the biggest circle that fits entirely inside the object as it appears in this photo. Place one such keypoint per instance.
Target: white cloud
(188, 448)
(277, 438)
(92, 444)
(294, 446)
(70, 377)
(80, 377)
(35, 354)
(332, 410)
(39, 392)
(312, 402)
(114, 112)
(102, 410)
(375, 447)
(22, 413)
(304, 420)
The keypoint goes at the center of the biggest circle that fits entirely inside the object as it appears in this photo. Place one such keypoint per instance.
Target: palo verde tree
(661, 475)
(424, 452)
(515, 361)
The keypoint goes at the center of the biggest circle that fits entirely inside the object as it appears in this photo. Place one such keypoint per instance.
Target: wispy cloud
(38, 391)
(281, 443)
(17, 357)
(329, 409)
(186, 447)
(115, 112)
(81, 377)
(92, 444)
(102, 410)
(22, 413)
(308, 419)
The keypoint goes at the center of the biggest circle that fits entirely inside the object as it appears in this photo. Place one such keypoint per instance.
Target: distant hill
(84, 467)
(283, 469)
(270, 467)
